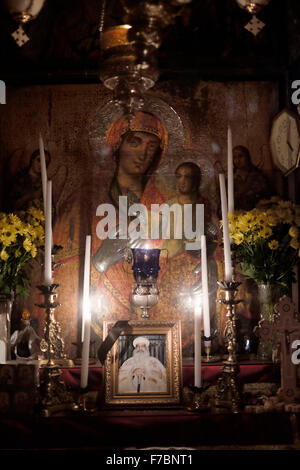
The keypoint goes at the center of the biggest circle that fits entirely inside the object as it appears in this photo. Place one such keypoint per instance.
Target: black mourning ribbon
(111, 338)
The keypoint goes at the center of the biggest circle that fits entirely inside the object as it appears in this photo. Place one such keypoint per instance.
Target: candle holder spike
(229, 390)
(207, 347)
(54, 396)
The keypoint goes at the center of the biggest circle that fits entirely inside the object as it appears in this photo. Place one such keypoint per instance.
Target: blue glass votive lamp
(145, 265)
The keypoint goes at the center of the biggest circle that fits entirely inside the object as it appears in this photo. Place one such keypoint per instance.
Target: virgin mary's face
(137, 151)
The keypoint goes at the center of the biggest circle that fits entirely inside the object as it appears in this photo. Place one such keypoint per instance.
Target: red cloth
(210, 373)
(116, 429)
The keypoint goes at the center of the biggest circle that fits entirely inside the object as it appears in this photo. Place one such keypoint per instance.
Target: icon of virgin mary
(138, 147)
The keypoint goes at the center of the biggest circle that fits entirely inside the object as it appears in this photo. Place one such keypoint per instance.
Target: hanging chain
(102, 15)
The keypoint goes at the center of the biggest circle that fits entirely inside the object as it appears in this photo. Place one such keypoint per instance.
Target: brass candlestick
(53, 393)
(57, 343)
(228, 394)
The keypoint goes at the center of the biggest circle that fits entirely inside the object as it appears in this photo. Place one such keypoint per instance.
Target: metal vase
(6, 303)
(266, 299)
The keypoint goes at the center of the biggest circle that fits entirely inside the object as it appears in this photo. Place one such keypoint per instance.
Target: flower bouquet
(21, 237)
(266, 242)
(266, 246)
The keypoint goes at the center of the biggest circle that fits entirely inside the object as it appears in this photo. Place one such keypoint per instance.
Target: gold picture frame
(144, 366)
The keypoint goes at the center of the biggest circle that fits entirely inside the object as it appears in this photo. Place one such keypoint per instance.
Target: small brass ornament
(22, 12)
(255, 25)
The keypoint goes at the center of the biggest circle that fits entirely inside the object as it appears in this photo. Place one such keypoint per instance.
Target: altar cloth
(124, 428)
(249, 372)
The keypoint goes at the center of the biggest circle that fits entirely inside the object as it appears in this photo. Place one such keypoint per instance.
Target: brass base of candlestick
(54, 396)
(58, 362)
(196, 399)
(229, 390)
(66, 362)
(88, 401)
(211, 359)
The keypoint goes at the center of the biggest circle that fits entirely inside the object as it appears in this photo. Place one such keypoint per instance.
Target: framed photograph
(144, 366)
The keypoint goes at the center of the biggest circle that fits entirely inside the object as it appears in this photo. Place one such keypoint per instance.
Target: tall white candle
(43, 170)
(227, 253)
(3, 352)
(230, 179)
(206, 316)
(48, 235)
(197, 340)
(86, 315)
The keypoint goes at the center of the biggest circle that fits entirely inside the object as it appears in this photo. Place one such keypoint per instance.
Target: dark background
(207, 41)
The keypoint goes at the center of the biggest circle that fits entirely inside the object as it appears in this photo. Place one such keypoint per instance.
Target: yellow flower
(273, 244)
(33, 251)
(254, 237)
(261, 219)
(3, 219)
(8, 237)
(17, 254)
(266, 232)
(20, 230)
(29, 230)
(4, 240)
(36, 213)
(4, 255)
(233, 227)
(38, 235)
(14, 220)
(271, 220)
(294, 231)
(286, 216)
(238, 238)
(285, 205)
(275, 219)
(245, 223)
(27, 244)
(294, 243)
